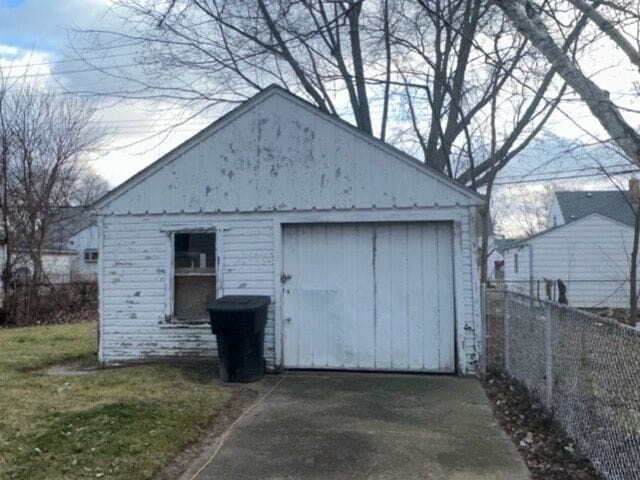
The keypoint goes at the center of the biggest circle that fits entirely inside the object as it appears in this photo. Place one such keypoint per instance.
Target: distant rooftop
(67, 222)
(609, 203)
(503, 244)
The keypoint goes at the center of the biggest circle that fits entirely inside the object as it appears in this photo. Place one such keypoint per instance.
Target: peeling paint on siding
(247, 266)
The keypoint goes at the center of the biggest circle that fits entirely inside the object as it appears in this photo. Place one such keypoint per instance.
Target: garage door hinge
(284, 277)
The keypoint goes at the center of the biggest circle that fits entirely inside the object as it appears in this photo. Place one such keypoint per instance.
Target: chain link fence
(584, 368)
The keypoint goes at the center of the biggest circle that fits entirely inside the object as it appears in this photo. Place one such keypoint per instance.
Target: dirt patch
(495, 329)
(197, 454)
(548, 453)
(72, 369)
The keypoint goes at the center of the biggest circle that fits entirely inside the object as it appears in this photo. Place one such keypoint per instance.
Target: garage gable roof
(247, 134)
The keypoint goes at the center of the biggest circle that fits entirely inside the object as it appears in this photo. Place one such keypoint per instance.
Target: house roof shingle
(608, 203)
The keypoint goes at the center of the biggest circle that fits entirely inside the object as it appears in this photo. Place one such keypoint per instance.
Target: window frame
(170, 316)
(91, 252)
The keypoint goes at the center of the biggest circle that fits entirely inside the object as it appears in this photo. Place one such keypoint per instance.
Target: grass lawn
(124, 423)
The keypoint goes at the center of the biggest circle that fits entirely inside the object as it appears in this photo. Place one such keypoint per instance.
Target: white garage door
(369, 296)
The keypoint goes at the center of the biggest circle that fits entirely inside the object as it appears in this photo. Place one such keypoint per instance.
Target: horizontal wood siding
(591, 256)
(285, 155)
(135, 259)
(135, 292)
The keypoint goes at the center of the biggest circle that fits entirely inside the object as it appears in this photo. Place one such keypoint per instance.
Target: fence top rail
(587, 316)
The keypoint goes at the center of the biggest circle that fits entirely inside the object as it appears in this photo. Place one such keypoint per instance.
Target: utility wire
(567, 177)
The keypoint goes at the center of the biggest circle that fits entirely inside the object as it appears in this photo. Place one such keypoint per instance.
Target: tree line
(46, 139)
(466, 85)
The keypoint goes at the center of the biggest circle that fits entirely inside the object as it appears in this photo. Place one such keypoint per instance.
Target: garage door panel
(364, 299)
(383, 295)
(348, 266)
(399, 285)
(335, 304)
(445, 297)
(430, 280)
(415, 307)
(369, 296)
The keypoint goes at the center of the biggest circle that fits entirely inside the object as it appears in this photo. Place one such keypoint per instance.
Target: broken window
(194, 275)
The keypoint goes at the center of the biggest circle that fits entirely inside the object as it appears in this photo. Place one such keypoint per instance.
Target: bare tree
(5, 148)
(452, 79)
(617, 22)
(526, 16)
(88, 187)
(431, 68)
(44, 137)
(526, 207)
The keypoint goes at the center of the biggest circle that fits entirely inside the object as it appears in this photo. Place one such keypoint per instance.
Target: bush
(51, 304)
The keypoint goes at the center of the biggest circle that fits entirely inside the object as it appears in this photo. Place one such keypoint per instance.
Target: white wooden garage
(369, 257)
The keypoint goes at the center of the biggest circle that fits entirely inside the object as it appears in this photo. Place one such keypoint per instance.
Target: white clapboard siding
(86, 238)
(134, 293)
(591, 256)
(296, 158)
(369, 296)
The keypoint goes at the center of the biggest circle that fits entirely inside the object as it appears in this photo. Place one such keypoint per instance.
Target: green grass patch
(124, 423)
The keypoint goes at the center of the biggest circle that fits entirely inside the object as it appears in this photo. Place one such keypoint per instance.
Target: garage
(369, 296)
(370, 257)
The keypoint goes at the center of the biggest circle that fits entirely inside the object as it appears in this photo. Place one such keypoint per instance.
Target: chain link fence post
(548, 356)
(505, 332)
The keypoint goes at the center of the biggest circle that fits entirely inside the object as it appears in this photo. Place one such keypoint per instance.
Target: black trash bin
(238, 322)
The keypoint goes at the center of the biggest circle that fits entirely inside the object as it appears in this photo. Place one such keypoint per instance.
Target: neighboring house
(72, 239)
(85, 243)
(370, 258)
(495, 260)
(587, 245)
(70, 250)
(56, 264)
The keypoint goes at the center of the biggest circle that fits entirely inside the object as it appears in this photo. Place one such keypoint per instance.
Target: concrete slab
(342, 425)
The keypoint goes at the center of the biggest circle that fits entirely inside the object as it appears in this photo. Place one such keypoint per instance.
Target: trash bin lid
(239, 303)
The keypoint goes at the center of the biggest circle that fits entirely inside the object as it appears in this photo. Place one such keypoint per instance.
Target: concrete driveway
(368, 426)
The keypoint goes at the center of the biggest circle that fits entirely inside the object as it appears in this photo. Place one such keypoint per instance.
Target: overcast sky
(36, 32)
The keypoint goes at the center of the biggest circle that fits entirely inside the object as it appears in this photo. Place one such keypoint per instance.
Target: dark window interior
(194, 275)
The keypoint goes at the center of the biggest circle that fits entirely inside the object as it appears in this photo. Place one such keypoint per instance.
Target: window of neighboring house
(555, 221)
(515, 263)
(91, 255)
(194, 275)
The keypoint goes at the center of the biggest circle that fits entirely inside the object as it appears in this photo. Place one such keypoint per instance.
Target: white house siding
(591, 255)
(555, 217)
(81, 241)
(135, 282)
(57, 266)
(467, 274)
(135, 285)
(517, 280)
(293, 159)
